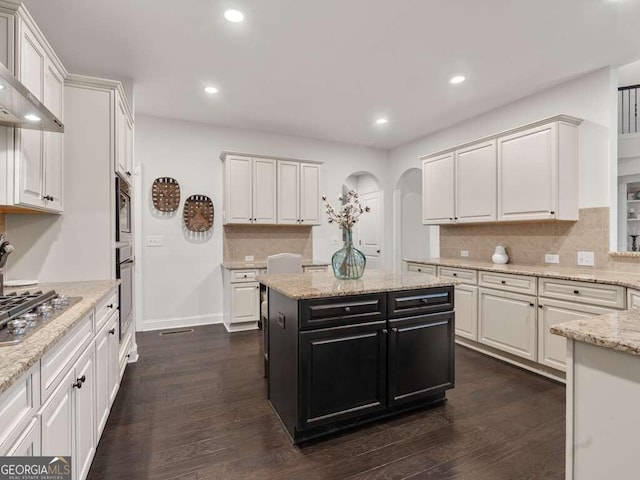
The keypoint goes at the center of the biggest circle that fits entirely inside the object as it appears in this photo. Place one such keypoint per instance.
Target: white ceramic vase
(500, 255)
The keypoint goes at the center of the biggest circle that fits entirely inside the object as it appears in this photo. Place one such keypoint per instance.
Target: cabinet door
(466, 301)
(84, 413)
(57, 419)
(128, 125)
(475, 185)
(528, 174)
(264, 191)
(437, 190)
(238, 190)
(309, 194)
(121, 137)
(288, 192)
(32, 63)
(114, 357)
(552, 349)
(29, 443)
(342, 373)
(507, 321)
(30, 179)
(103, 378)
(421, 357)
(245, 302)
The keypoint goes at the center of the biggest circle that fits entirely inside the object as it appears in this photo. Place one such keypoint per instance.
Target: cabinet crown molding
(97, 83)
(225, 153)
(556, 118)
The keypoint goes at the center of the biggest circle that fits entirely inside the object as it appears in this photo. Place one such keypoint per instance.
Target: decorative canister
(500, 255)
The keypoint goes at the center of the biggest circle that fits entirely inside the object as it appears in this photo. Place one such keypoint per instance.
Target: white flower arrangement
(347, 215)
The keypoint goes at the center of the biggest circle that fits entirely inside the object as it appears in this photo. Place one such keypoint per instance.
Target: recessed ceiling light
(211, 89)
(234, 16)
(381, 121)
(31, 117)
(1, 87)
(457, 79)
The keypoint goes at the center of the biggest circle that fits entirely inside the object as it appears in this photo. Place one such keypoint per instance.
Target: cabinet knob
(419, 269)
(540, 306)
(455, 274)
(455, 218)
(110, 305)
(301, 220)
(424, 300)
(552, 213)
(450, 218)
(128, 173)
(80, 381)
(503, 282)
(531, 304)
(347, 309)
(577, 292)
(112, 331)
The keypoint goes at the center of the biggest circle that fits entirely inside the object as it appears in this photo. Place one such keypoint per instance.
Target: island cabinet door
(342, 373)
(421, 357)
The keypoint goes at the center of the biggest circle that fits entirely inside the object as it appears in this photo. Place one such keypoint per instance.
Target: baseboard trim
(241, 327)
(177, 322)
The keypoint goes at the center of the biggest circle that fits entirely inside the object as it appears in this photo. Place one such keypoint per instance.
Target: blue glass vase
(348, 263)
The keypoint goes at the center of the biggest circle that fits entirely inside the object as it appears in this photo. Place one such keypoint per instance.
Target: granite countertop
(609, 277)
(301, 286)
(263, 264)
(16, 360)
(617, 330)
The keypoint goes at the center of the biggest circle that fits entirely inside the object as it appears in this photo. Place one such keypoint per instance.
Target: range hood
(20, 108)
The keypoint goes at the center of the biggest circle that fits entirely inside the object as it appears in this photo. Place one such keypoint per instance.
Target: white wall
(182, 281)
(591, 97)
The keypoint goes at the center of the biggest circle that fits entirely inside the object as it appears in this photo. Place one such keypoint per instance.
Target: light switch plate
(464, 253)
(586, 259)
(155, 241)
(248, 258)
(552, 258)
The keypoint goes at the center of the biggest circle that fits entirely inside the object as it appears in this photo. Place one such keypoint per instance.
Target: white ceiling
(328, 68)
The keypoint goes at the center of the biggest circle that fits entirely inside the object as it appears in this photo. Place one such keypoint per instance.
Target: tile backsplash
(527, 243)
(264, 240)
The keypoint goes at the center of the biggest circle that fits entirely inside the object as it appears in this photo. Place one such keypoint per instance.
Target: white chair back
(284, 263)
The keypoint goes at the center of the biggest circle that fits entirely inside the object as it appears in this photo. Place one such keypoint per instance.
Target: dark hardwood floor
(194, 407)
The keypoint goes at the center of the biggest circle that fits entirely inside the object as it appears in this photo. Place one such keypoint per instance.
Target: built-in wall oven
(124, 271)
(124, 217)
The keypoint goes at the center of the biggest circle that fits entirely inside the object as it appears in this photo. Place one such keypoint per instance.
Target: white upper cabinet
(123, 161)
(264, 191)
(298, 193)
(475, 186)
(309, 193)
(529, 173)
(438, 190)
(270, 191)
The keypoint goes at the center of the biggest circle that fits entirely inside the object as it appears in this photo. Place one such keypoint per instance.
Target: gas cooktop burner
(21, 314)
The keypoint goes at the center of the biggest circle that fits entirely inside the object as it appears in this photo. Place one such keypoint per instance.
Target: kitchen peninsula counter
(346, 352)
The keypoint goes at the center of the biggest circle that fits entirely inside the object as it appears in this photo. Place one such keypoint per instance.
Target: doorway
(415, 239)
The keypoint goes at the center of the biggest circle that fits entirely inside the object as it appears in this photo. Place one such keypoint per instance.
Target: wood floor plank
(194, 408)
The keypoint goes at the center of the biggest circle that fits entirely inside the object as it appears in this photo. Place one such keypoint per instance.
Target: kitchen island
(346, 352)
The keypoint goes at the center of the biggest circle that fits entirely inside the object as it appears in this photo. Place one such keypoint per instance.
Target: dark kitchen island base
(342, 361)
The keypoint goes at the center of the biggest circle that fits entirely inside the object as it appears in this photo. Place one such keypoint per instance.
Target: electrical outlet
(586, 259)
(155, 241)
(248, 258)
(551, 258)
(464, 253)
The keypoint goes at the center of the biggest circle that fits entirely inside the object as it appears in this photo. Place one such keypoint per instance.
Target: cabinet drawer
(18, 405)
(54, 363)
(463, 275)
(341, 311)
(416, 267)
(105, 309)
(508, 281)
(611, 296)
(633, 298)
(239, 276)
(420, 302)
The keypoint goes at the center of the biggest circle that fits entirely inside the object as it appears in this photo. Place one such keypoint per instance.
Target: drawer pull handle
(347, 309)
(577, 292)
(531, 304)
(80, 381)
(503, 282)
(424, 300)
(112, 331)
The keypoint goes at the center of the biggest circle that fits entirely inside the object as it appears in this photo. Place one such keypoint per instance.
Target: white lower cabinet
(84, 413)
(466, 307)
(107, 371)
(56, 418)
(245, 302)
(29, 444)
(552, 349)
(507, 321)
(633, 298)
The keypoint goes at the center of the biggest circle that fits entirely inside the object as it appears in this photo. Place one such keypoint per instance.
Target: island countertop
(16, 360)
(616, 330)
(301, 286)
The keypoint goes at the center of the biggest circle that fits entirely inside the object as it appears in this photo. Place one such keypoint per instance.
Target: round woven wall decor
(198, 213)
(166, 194)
